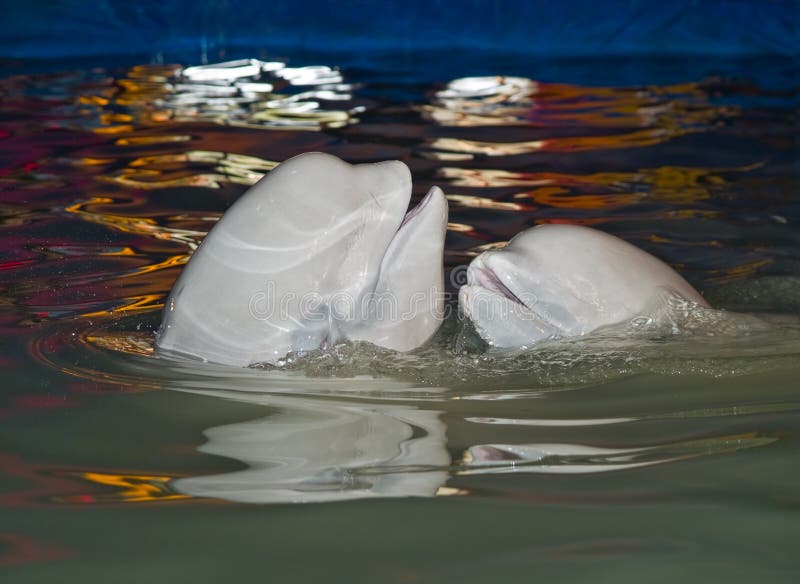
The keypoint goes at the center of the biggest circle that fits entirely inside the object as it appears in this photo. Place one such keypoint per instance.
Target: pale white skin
(557, 281)
(293, 263)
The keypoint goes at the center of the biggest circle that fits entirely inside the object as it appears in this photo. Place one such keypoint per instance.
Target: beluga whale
(318, 251)
(558, 281)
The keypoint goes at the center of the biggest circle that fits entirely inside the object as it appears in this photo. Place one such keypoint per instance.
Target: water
(624, 457)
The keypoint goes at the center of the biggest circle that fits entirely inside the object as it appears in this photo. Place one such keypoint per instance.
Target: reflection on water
(615, 118)
(246, 93)
(316, 450)
(127, 489)
(111, 177)
(577, 458)
(362, 422)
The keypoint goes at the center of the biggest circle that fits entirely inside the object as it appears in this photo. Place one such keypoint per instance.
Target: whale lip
(484, 277)
(418, 208)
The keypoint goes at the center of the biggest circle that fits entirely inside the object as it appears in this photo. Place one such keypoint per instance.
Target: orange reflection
(93, 100)
(125, 251)
(114, 129)
(560, 197)
(90, 161)
(634, 139)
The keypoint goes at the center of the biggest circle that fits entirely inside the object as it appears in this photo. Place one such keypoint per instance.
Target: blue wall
(548, 28)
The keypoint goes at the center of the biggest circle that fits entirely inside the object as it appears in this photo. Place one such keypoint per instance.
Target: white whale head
(555, 281)
(317, 251)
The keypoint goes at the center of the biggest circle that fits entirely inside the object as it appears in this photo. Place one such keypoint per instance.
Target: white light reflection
(580, 459)
(246, 93)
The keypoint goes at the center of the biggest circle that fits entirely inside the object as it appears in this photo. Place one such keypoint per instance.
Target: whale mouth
(417, 209)
(485, 278)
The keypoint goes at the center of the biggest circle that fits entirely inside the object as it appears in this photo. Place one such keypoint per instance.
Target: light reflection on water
(112, 178)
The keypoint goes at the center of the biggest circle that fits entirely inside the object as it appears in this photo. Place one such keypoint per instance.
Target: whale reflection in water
(314, 449)
(323, 450)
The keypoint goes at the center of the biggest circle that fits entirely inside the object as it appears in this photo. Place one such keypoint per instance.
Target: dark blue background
(559, 28)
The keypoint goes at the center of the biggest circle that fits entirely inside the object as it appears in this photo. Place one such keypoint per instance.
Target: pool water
(622, 458)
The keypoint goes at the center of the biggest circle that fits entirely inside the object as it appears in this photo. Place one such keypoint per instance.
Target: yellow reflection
(738, 272)
(156, 72)
(666, 240)
(676, 184)
(144, 303)
(209, 181)
(110, 118)
(170, 170)
(208, 156)
(129, 488)
(124, 342)
(93, 161)
(138, 225)
(170, 262)
(147, 140)
(114, 129)
(92, 100)
(690, 214)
